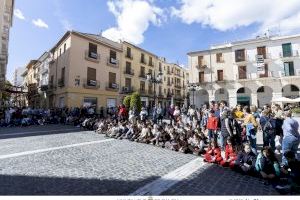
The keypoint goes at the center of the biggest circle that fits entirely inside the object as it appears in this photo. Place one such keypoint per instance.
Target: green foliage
(296, 110)
(126, 101)
(135, 101)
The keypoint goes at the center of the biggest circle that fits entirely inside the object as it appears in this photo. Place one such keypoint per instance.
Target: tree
(126, 101)
(135, 101)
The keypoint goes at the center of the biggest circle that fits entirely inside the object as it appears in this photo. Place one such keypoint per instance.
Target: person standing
(291, 137)
(250, 125)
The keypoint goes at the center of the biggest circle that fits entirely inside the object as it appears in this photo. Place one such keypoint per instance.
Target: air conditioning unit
(92, 82)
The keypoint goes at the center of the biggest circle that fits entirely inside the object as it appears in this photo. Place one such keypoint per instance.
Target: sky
(167, 28)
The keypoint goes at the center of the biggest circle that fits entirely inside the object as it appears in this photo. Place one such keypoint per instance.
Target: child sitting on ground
(213, 153)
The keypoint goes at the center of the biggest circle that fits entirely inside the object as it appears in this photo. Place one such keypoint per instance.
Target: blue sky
(168, 28)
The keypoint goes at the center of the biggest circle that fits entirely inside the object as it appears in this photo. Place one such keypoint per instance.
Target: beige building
(84, 71)
(30, 83)
(137, 63)
(256, 71)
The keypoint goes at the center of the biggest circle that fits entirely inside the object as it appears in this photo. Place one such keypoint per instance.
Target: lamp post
(154, 80)
(192, 88)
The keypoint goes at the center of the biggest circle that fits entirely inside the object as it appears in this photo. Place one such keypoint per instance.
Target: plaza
(64, 160)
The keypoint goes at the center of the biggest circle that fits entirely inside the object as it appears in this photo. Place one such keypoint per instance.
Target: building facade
(6, 18)
(254, 71)
(137, 63)
(84, 71)
(31, 84)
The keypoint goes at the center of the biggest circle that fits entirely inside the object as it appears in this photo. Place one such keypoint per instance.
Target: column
(232, 100)
(277, 95)
(254, 99)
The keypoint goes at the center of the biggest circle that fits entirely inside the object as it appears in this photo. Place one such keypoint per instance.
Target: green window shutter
(287, 49)
(291, 68)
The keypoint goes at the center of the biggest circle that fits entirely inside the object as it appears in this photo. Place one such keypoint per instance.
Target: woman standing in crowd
(250, 125)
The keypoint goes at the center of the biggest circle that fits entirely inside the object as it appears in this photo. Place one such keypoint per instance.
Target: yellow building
(84, 71)
(31, 84)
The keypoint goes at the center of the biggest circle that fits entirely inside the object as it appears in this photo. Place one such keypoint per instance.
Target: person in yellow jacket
(250, 125)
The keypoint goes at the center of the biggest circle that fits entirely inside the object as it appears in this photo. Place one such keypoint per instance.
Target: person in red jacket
(230, 154)
(122, 112)
(212, 126)
(213, 154)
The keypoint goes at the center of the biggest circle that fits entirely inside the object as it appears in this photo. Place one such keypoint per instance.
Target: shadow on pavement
(43, 130)
(31, 185)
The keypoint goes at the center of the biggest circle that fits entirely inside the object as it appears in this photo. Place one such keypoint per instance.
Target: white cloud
(40, 23)
(58, 12)
(226, 15)
(18, 13)
(133, 19)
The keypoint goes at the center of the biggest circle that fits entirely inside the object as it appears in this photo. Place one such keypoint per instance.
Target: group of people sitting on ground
(221, 135)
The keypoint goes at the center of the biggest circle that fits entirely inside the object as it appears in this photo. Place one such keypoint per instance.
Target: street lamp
(192, 88)
(155, 80)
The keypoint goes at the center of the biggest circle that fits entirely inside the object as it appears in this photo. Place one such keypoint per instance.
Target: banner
(260, 61)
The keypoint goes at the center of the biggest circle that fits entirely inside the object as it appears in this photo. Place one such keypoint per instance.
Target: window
(90, 101)
(128, 83)
(287, 50)
(143, 58)
(93, 51)
(60, 52)
(113, 54)
(91, 77)
(142, 74)
(200, 60)
(262, 51)
(112, 80)
(221, 91)
(150, 71)
(220, 75)
(65, 47)
(289, 69)
(128, 52)
(266, 71)
(51, 80)
(240, 55)
(150, 88)
(219, 57)
(242, 72)
(150, 61)
(201, 77)
(160, 68)
(294, 88)
(142, 86)
(128, 67)
(63, 70)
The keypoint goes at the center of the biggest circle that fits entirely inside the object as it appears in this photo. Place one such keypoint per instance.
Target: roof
(137, 47)
(243, 42)
(95, 38)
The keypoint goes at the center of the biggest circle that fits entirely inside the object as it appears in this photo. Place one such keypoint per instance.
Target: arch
(222, 94)
(201, 97)
(290, 91)
(244, 96)
(264, 95)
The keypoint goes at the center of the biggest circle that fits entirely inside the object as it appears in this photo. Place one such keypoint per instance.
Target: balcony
(44, 88)
(160, 95)
(112, 87)
(143, 92)
(143, 75)
(178, 86)
(201, 66)
(168, 72)
(129, 72)
(91, 56)
(290, 55)
(44, 71)
(61, 82)
(91, 84)
(169, 94)
(127, 89)
(169, 84)
(112, 62)
(129, 56)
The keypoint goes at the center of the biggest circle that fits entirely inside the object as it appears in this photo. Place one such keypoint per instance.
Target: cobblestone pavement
(112, 167)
